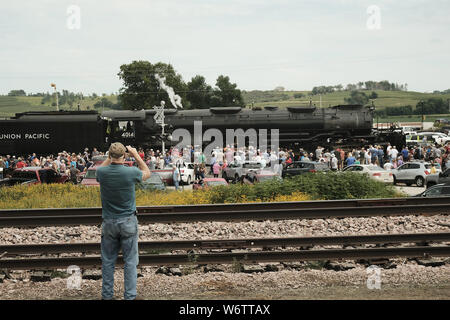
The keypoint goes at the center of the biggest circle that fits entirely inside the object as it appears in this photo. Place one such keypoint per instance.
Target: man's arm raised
(141, 164)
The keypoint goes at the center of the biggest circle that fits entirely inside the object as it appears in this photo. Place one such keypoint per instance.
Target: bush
(341, 185)
(326, 186)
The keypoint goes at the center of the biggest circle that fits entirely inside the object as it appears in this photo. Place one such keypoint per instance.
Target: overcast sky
(260, 44)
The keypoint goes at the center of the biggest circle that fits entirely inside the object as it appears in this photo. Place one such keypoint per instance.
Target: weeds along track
(234, 212)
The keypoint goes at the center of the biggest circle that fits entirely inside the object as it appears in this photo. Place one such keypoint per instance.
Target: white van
(438, 137)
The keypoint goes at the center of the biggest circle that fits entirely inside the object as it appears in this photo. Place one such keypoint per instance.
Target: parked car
(412, 173)
(261, 175)
(153, 183)
(301, 167)
(166, 174)
(90, 177)
(236, 171)
(209, 183)
(34, 175)
(186, 172)
(438, 190)
(375, 172)
(438, 178)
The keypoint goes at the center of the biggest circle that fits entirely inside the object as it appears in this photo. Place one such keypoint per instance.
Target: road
(410, 191)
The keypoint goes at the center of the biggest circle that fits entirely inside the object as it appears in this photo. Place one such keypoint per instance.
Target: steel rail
(232, 257)
(233, 215)
(232, 207)
(17, 249)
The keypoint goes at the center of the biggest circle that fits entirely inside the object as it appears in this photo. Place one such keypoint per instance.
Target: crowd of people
(388, 157)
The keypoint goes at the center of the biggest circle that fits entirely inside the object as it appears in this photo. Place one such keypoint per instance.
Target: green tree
(357, 97)
(141, 90)
(373, 95)
(227, 93)
(17, 93)
(199, 93)
(104, 102)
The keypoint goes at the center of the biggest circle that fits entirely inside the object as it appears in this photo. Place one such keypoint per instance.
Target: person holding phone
(120, 224)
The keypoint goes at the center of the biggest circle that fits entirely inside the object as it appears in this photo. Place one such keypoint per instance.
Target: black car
(301, 167)
(153, 183)
(439, 190)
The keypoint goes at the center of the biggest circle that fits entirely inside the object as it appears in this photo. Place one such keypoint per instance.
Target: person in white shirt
(334, 162)
(393, 153)
(219, 156)
(388, 166)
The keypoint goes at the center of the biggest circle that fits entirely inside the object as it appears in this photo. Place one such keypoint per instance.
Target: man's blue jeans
(116, 234)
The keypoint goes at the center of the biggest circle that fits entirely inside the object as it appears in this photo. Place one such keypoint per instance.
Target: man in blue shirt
(405, 154)
(350, 159)
(120, 225)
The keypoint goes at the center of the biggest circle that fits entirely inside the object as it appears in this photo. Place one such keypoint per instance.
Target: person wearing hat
(334, 162)
(120, 224)
(20, 163)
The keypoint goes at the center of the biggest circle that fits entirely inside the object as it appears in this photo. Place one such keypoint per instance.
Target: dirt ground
(406, 283)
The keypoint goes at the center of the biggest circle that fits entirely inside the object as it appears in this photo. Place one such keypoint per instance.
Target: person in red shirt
(20, 164)
(141, 154)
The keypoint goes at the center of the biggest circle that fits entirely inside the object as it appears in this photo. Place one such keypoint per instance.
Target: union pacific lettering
(26, 136)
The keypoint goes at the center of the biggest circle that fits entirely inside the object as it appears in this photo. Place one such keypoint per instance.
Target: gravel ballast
(231, 230)
(408, 281)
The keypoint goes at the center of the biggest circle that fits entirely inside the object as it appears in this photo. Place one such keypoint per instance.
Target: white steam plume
(174, 98)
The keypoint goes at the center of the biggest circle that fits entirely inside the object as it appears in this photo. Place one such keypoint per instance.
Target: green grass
(412, 118)
(12, 105)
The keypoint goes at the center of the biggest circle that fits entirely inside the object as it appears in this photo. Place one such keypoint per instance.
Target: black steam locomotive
(306, 127)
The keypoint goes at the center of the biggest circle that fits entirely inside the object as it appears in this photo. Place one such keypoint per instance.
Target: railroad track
(420, 249)
(234, 212)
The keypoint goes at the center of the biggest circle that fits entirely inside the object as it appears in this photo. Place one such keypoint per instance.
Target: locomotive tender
(306, 127)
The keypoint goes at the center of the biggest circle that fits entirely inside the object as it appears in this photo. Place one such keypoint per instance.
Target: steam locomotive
(306, 127)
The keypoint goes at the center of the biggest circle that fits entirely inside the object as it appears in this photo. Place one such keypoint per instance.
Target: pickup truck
(34, 175)
(302, 167)
(236, 171)
(437, 178)
(166, 174)
(260, 175)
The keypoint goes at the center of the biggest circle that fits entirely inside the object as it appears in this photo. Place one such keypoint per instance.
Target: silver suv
(412, 172)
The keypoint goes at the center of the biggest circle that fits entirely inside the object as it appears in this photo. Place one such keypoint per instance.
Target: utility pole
(56, 94)
(159, 119)
(421, 104)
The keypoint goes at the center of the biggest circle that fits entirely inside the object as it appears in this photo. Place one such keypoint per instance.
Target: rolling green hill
(286, 98)
(12, 105)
